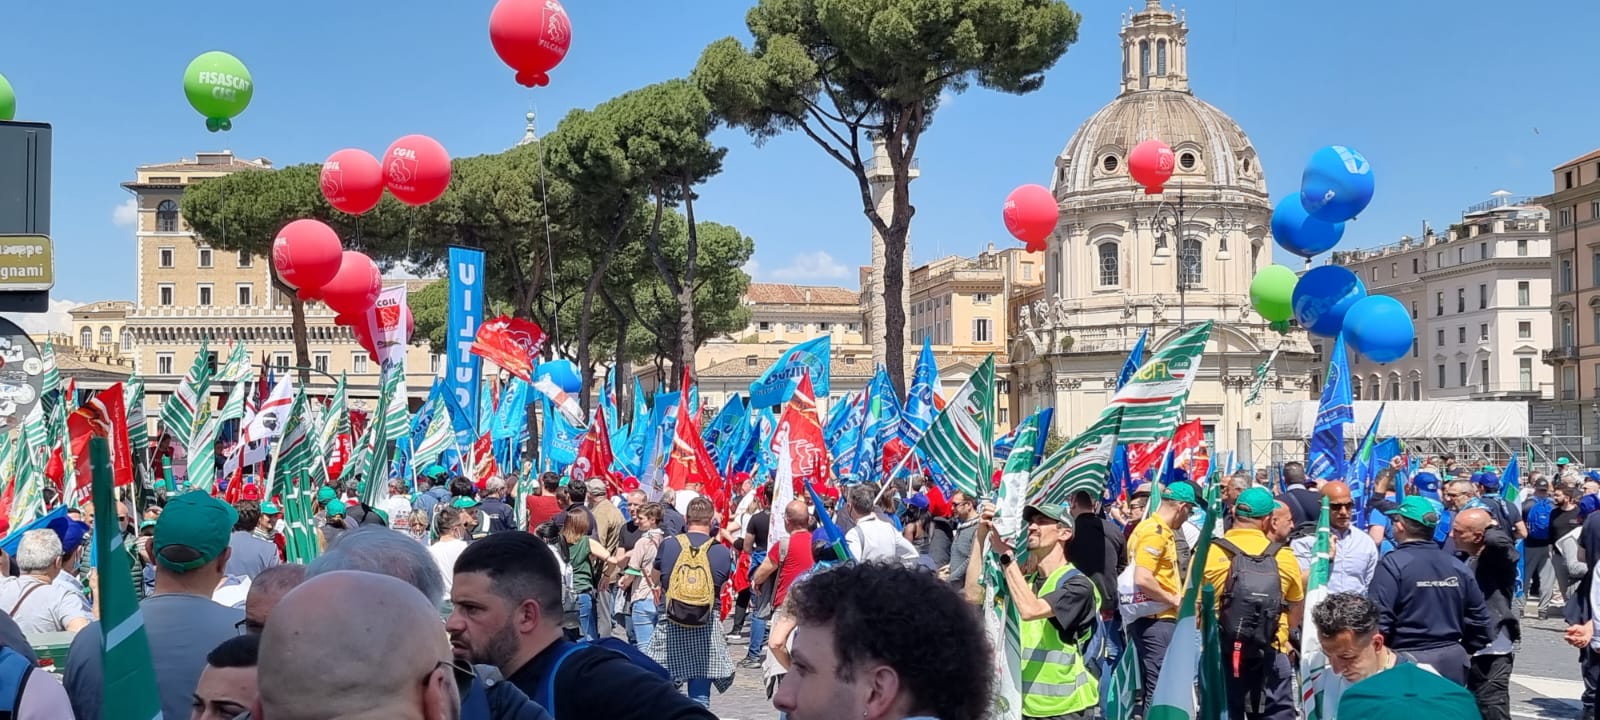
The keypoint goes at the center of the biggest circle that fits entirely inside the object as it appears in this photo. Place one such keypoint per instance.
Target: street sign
(27, 263)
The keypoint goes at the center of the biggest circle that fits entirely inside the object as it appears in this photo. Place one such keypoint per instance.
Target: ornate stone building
(1121, 261)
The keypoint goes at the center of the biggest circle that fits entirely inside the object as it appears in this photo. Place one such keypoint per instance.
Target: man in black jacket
(1429, 603)
(1490, 554)
(506, 612)
(1581, 619)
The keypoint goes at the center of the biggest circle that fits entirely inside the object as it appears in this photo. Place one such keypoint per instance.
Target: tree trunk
(620, 362)
(894, 254)
(680, 351)
(687, 343)
(586, 313)
(297, 326)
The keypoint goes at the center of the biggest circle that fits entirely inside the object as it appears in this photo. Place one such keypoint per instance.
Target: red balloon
(532, 36)
(1151, 165)
(409, 320)
(416, 169)
(355, 288)
(1031, 214)
(306, 254)
(352, 181)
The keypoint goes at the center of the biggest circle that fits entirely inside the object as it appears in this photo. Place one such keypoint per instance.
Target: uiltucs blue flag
(775, 385)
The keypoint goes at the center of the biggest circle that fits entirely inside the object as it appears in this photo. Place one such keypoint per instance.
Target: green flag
(180, 413)
(1173, 697)
(138, 425)
(384, 423)
(130, 679)
(1081, 464)
(1315, 702)
(1153, 399)
(1260, 379)
(28, 503)
(291, 464)
(1213, 691)
(1125, 683)
(1002, 620)
(437, 437)
(961, 439)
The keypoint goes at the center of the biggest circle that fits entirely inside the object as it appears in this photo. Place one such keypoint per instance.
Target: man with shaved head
(1492, 556)
(397, 671)
(1355, 555)
(266, 590)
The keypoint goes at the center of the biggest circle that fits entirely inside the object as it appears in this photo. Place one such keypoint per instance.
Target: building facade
(1479, 297)
(1574, 352)
(1122, 262)
(188, 292)
(960, 303)
(98, 329)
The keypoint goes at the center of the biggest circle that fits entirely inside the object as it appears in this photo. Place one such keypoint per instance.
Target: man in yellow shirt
(1256, 610)
(1153, 553)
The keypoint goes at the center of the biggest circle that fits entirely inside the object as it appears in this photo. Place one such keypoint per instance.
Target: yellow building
(98, 329)
(188, 292)
(960, 303)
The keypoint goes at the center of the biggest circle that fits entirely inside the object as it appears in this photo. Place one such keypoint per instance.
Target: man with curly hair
(861, 651)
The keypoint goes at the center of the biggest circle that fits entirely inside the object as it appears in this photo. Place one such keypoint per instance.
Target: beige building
(1122, 262)
(98, 329)
(1479, 296)
(961, 303)
(782, 313)
(1574, 352)
(188, 291)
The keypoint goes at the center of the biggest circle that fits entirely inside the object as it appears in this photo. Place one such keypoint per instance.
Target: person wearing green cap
(1262, 598)
(1059, 607)
(1157, 589)
(1429, 603)
(335, 527)
(181, 621)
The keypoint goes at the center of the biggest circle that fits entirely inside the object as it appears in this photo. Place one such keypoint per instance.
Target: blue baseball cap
(72, 532)
(1426, 483)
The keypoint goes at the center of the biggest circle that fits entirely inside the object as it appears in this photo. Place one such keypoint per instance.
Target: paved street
(1546, 684)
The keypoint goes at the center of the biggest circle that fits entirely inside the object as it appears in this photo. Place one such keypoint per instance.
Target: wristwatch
(1005, 560)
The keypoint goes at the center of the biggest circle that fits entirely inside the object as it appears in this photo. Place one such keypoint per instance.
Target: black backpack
(1250, 604)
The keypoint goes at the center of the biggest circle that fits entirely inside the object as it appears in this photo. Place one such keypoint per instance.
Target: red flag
(595, 457)
(511, 343)
(689, 461)
(1189, 451)
(1144, 457)
(483, 465)
(102, 416)
(808, 452)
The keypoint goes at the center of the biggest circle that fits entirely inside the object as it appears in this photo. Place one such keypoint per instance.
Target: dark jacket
(1496, 572)
(501, 518)
(599, 683)
(1428, 599)
(485, 696)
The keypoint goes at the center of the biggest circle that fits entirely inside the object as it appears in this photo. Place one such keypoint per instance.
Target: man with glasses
(1355, 556)
(961, 544)
(265, 591)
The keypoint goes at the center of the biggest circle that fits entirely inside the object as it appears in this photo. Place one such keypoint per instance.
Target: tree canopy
(586, 239)
(848, 72)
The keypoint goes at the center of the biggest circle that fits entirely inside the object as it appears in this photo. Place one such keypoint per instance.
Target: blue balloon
(1336, 185)
(561, 372)
(1323, 296)
(1299, 233)
(1379, 327)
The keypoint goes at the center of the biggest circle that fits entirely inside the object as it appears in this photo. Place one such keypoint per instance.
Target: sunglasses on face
(1341, 506)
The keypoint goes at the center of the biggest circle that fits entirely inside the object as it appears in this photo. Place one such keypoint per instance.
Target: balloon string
(549, 252)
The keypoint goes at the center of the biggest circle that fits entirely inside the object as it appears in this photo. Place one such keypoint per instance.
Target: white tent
(1408, 419)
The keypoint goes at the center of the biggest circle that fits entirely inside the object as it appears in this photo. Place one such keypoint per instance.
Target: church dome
(1210, 149)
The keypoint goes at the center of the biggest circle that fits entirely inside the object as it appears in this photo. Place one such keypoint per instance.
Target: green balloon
(218, 86)
(1272, 292)
(8, 100)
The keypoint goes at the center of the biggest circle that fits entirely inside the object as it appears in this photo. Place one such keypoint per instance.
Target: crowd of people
(613, 605)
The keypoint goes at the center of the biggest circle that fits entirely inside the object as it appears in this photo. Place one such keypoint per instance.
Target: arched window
(1110, 272)
(1161, 57)
(1052, 263)
(1355, 387)
(1191, 272)
(1144, 64)
(167, 216)
(85, 338)
(127, 340)
(105, 336)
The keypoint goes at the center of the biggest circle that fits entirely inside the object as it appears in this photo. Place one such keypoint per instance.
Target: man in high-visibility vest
(1060, 608)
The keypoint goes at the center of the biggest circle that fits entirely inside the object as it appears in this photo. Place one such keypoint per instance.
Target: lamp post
(1549, 447)
(1171, 218)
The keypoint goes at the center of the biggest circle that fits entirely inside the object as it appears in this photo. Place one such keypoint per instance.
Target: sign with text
(27, 263)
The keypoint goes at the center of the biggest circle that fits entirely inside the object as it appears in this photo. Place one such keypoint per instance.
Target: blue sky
(1449, 102)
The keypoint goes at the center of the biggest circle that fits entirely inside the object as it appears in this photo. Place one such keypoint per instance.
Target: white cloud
(752, 268)
(126, 214)
(946, 97)
(56, 320)
(817, 265)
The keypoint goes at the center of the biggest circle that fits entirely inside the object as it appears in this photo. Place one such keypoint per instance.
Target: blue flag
(1135, 359)
(775, 385)
(560, 442)
(1511, 484)
(919, 397)
(465, 315)
(1326, 456)
(1366, 467)
(727, 435)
